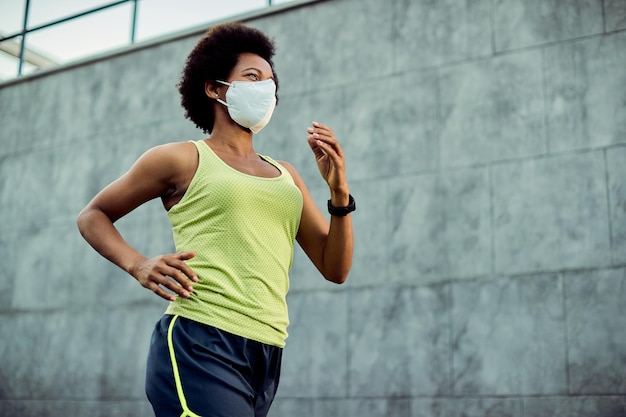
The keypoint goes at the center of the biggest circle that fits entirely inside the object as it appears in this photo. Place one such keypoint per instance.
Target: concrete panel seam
(563, 283)
(608, 203)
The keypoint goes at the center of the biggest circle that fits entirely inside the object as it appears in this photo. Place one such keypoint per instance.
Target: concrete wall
(486, 150)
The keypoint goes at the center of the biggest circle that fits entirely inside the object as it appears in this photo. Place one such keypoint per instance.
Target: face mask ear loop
(218, 99)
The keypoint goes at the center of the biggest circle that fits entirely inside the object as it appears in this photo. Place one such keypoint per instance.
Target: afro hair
(213, 57)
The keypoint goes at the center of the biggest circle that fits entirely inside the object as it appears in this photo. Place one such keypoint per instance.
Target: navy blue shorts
(198, 370)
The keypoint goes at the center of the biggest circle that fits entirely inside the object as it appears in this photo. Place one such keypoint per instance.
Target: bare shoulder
(167, 159)
(292, 170)
(171, 152)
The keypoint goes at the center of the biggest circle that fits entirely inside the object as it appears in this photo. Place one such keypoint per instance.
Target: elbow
(336, 277)
(337, 273)
(80, 220)
(83, 220)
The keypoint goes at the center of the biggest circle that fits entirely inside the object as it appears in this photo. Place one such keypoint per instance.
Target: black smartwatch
(342, 211)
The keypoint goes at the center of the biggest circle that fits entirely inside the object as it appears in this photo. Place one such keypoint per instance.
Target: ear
(210, 89)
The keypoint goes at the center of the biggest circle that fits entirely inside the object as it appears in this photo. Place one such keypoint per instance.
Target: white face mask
(250, 103)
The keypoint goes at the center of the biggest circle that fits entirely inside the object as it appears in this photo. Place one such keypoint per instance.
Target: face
(250, 68)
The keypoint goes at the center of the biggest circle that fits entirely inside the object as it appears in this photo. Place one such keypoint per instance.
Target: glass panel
(11, 17)
(46, 11)
(105, 30)
(159, 17)
(84, 36)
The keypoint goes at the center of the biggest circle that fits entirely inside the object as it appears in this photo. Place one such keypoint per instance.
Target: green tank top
(243, 229)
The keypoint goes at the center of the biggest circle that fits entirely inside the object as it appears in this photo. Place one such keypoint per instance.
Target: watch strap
(342, 211)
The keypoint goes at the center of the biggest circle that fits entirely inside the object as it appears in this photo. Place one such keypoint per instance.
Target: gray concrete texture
(486, 149)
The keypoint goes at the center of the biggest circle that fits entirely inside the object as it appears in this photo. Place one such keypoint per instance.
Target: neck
(228, 136)
(232, 139)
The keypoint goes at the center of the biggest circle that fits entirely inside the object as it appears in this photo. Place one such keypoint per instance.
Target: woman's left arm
(329, 246)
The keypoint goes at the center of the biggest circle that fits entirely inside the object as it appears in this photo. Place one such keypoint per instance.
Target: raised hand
(329, 155)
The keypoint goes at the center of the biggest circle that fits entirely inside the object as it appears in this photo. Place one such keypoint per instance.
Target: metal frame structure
(23, 53)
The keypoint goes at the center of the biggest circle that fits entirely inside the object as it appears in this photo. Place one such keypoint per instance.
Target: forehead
(248, 60)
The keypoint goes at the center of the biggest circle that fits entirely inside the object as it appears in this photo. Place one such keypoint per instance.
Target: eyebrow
(257, 70)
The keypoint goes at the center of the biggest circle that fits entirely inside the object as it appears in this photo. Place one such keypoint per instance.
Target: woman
(235, 216)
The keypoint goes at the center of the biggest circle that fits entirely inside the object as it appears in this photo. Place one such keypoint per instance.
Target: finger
(315, 136)
(327, 135)
(322, 127)
(185, 255)
(336, 159)
(319, 127)
(331, 143)
(333, 151)
(314, 145)
(171, 284)
(182, 266)
(322, 132)
(161, 292)
(325, 138)
(180, 279)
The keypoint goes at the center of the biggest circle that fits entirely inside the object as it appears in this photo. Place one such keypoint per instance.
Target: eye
(253, 77)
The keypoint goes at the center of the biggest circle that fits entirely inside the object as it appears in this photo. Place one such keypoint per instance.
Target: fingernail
(194, 278)
(315, 123)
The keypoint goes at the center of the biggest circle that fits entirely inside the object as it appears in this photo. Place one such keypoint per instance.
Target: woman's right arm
(153, 175)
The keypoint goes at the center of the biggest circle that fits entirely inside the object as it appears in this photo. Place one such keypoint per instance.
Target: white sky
(108, 29)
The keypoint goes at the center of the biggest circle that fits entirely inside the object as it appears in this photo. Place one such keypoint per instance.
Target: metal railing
(24, 53)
